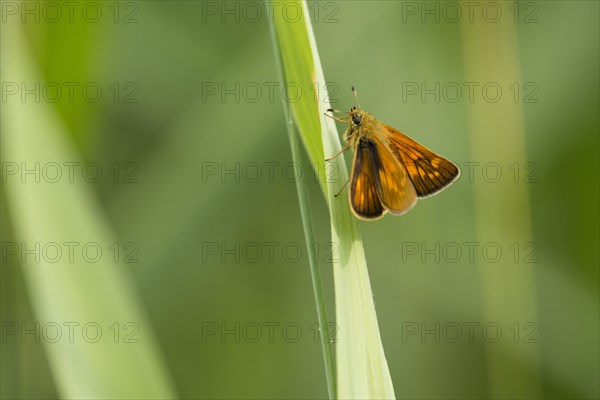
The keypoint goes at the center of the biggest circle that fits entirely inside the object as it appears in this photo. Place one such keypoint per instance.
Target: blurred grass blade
(510, 202)
(115, 361)
(361, 367)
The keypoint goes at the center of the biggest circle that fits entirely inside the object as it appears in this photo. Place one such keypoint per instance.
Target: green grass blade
(78, 293)
(303, 200)
(361, 367)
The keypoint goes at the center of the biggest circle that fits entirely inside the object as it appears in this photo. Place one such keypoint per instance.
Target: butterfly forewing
(363, 189)
(428, 171)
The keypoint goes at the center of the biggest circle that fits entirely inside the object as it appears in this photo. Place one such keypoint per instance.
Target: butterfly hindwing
(395, 189)
(379, 182)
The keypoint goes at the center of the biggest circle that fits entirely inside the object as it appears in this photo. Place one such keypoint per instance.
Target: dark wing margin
(364, 186)
(429, 172)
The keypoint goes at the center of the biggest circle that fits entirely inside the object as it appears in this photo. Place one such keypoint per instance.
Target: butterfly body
(390, 171)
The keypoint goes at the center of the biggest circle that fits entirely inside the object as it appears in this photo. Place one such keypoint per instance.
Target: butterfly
(390, 171)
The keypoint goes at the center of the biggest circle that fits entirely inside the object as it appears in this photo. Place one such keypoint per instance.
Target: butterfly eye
(356, 118)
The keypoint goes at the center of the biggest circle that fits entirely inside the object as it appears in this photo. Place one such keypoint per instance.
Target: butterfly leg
(345, 184)
(346, 147)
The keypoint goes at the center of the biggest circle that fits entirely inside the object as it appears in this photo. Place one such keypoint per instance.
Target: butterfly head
(358, 116)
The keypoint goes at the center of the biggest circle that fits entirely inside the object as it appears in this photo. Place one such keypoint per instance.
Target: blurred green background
(190, 111)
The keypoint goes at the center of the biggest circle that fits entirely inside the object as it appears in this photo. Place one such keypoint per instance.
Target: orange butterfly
(390, 170)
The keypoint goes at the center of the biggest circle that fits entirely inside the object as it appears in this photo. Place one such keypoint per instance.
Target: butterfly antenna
(356, 96)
